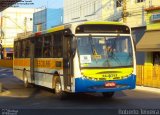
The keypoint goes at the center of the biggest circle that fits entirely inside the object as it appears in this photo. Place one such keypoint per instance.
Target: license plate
(110, 84)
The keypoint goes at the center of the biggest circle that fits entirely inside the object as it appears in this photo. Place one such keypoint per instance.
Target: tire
(108, 94)
(58, 89)
(25, 79)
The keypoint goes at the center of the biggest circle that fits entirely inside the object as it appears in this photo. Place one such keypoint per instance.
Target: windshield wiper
(94, 52)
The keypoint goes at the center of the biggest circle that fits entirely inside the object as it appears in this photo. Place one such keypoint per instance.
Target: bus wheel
(108, 94)
(26, 84)
(58, 89)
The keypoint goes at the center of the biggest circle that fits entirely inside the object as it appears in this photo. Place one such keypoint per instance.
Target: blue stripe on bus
(85, 85)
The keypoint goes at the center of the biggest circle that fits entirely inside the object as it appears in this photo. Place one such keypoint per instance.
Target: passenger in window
(110, 51)
(47, 52)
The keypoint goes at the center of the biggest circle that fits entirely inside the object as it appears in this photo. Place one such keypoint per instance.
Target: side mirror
(68, 33)
(73, 46)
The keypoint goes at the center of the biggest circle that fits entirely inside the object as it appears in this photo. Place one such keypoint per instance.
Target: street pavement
(40, 99)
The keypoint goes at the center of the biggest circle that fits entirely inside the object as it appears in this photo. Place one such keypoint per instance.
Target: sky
(42, 3)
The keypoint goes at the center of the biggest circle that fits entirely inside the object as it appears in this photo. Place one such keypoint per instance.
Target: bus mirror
(68, 33)
(73, 46)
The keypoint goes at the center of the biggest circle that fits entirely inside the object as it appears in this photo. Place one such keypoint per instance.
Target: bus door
(67, 62)
(32, 55)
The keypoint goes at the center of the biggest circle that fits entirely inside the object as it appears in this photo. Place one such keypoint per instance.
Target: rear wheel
(108, 94)
(58, 89)
(25, 79)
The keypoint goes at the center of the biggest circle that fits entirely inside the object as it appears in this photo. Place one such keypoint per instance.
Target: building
(111, 10)
(47, 18)
(14, 21)
(152, 49)
(149, 73)
(80, 10)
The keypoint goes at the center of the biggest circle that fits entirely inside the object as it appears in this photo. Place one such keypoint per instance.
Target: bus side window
(57, 45)
(38, 47)
(23, 48)
(15, 49)
(19, 49)
(27, 49)
(47, 50)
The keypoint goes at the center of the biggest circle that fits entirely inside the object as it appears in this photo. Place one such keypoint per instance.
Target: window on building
(90, 9)
(156, 58)
(119, 3)
(39, 27)
(138, 1)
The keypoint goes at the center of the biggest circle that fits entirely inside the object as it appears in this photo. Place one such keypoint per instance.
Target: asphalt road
(16, 98)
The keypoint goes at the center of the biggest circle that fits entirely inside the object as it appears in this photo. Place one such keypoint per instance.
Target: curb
(5, 93)
(148, 89)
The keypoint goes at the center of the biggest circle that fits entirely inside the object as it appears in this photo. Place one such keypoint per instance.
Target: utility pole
(124, 13)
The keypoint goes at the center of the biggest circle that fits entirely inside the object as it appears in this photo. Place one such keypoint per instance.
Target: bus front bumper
(86, 85)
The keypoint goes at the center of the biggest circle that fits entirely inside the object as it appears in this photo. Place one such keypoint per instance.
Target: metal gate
(148, 75)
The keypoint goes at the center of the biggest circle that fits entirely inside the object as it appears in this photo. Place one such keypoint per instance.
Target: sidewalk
(148, 89)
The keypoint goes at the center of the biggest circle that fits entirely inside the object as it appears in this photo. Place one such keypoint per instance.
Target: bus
(86, 57)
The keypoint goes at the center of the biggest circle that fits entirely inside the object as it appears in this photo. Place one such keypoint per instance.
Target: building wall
(39, 20)
(81, 10)
(47, 18)
(13, 22)
(109, 11)
(153, 25)
(106, 10)
(54, 17)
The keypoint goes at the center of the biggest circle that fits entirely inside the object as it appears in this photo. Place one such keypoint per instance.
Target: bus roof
(65, 26)
(104, 22)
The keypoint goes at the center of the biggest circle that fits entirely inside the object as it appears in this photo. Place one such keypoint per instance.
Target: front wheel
(108, 94)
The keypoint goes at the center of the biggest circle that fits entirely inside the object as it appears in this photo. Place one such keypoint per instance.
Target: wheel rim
(25, 80)
(58, 87)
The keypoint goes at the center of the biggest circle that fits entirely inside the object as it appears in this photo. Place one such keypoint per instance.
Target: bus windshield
(107, 51)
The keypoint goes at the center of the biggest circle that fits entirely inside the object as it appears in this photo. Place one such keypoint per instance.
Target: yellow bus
(78, 58)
